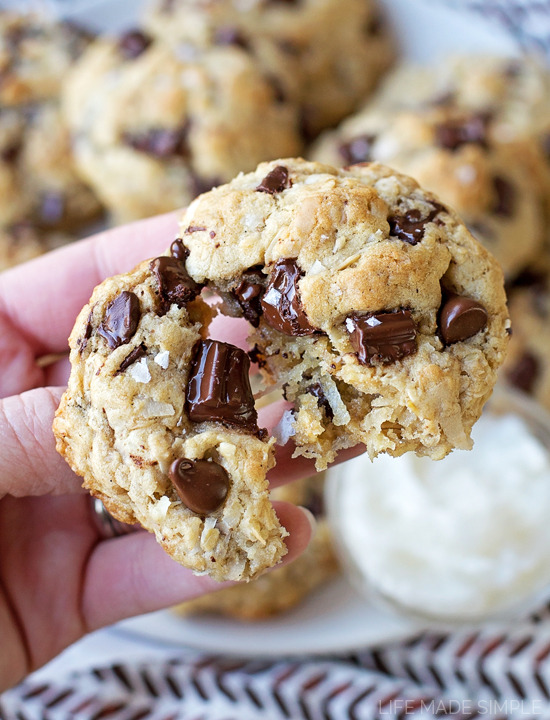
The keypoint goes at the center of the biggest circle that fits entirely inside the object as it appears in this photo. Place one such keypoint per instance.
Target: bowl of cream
(462, 539)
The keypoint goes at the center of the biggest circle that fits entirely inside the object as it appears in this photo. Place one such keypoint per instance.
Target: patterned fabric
(486, 674)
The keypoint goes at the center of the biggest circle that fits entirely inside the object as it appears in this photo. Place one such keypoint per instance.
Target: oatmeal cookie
(38, 178)
(154, 126)
(285, 587)
(498, 188)
(375, 309)
(327, 55)
(161, 424)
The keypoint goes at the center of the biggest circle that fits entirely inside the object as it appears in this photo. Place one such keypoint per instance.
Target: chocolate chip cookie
(373, 307)
(326, 54)
(161, 424)
(497, 187)
(38, 179)
(285, 587)
(153, 126)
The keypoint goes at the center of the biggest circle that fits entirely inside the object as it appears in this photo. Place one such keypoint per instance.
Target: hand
(59, 579)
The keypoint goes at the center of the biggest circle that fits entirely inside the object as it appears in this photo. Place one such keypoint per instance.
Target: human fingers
(41, 299)
(132, 575)
(29, 463)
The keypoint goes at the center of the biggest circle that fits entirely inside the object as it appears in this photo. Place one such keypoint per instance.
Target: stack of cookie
(42, 198)
(205, 90)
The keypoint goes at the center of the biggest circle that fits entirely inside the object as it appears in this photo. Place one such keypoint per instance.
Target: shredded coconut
(159, 510)
(284, 430)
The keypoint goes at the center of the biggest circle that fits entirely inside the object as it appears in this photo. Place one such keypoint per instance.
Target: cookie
(35, 55)
(283, 588)
(498, 188)
(21, 242)
(515, 92)
(373, 308)
(38, 179)
(328, 55)
(153, 127)
(191, 472)
(526, 367)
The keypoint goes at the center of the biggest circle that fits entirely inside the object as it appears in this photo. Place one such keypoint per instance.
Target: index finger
(42, 298)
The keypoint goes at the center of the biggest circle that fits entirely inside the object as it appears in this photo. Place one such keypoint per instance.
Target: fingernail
(311, 519)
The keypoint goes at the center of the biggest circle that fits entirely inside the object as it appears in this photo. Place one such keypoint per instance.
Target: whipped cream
(462, 538)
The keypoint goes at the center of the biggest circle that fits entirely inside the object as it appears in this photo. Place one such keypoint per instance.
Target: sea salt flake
(373, 322)
(139, 371)
(162, 358)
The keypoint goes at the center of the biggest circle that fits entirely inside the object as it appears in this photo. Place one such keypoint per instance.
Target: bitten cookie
(374, 308)
(327, 55)
(154, 126)
(283, 588)
(497, 187)
(161, 424)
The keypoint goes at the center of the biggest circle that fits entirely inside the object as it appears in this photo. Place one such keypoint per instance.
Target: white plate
(334, 620)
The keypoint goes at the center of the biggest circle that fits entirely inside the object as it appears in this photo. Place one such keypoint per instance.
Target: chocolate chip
(136, 354)
(202, 485)
(275, 181)
(525, 372)
(193, 229)
(133, 43)
(52, 208)
(83, 340)
(200, 185)
(281, 304)
(357, 150)
(230, 35)
(11, 153)
(410, 226)
(506, 195)
(317, 391)
(179, 251)
(456, 132)
(257, 357)
(382, 337)
(249, 295)
(161, 143)
(460, 318)
(175, 284)
(218, 389)
(120, 320)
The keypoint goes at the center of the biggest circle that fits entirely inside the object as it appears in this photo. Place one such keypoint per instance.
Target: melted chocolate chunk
(133, 43)
(275, 181)
(229, 35)
(161, 143)
(357, 150)
(257, 357)
(525, 372)
(219, 389)
(505, 194)
(317, 391)
(281, 304)
(179, 251)
(455, 133)
(120, 320)
(382, 337)
(249, 294)
(202, 485)
(410, 226)
(460, 318)
(175, 284)
(136, 354)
